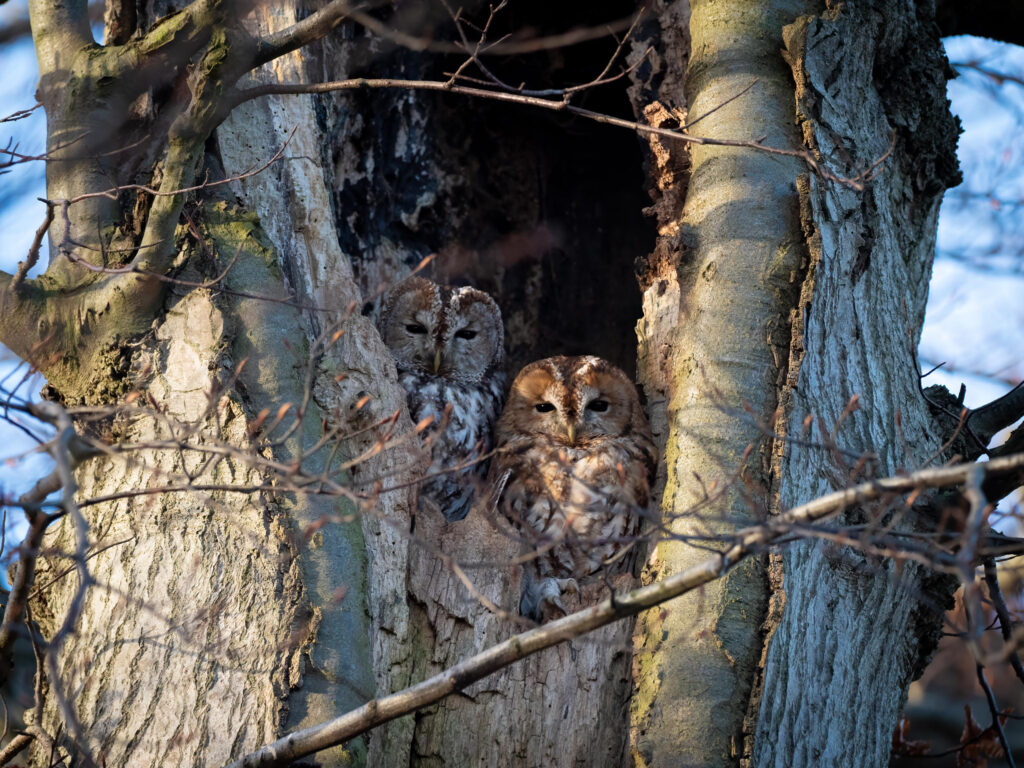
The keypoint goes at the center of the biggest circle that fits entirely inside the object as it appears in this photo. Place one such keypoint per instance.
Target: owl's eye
(544, 407)
(598, 405)
(415, 328)
(465, 333)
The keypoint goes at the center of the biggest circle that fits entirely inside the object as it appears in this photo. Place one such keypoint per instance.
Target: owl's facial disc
(473, 339)
(409, 335)
(602, 410)
(572, 401)
(451, 333)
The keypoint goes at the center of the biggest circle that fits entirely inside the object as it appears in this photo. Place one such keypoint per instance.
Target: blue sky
(20, 215)
(975, 317)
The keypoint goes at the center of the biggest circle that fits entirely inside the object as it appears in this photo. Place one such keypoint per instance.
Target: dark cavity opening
(541, 209)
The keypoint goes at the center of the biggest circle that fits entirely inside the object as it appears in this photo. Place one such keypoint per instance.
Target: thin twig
(993, 708)
(113, 192)
(33, 251)
(502, 48)
(62, 456)
(998, 77)
(995, 594)
(25, 573)
(360, 83)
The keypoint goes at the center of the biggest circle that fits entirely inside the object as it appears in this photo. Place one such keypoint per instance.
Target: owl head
(572, 400)
(445, 331)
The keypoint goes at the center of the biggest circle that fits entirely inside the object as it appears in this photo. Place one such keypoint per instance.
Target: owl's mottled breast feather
(467, 436)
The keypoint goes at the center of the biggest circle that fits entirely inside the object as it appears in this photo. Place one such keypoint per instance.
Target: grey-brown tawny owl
(448, 344)
(572, 472)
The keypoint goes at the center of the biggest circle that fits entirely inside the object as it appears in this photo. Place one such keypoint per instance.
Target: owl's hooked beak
(437, 360)
(570, 430)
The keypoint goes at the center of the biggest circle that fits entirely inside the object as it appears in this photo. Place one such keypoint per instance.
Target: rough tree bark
(170, 631)
(774, 291)
(767, 295)
(848, 626)
(222, 620)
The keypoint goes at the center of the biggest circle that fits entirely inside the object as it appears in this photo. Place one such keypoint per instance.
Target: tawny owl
(572, 472)
(448, 343)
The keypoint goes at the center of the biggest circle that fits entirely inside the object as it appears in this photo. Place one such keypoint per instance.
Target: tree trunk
(223, 620)
(509, 201)
(717, 297)
(768, 297)
(778, 291)
(849, 634)
(233, 618)
(560, 263)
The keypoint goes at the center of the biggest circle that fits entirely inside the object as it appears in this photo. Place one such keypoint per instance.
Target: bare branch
(306, 31)
(995, 594)
(500, 48)
(565, 93)
(999, 487)
(33, 251)
(993, 709)
(14, 747)
(999, 414)
(113, 192)
(25, 573)
(975, 521)
(747, 541)
(244, 95)
(37, 731)
(61, 452)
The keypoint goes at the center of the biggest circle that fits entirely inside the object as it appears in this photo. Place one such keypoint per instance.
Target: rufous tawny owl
(448, 344)
(572, 472)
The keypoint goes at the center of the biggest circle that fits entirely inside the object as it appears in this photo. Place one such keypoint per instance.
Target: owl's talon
(548, 594)
(568, 585)
(551, 608)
